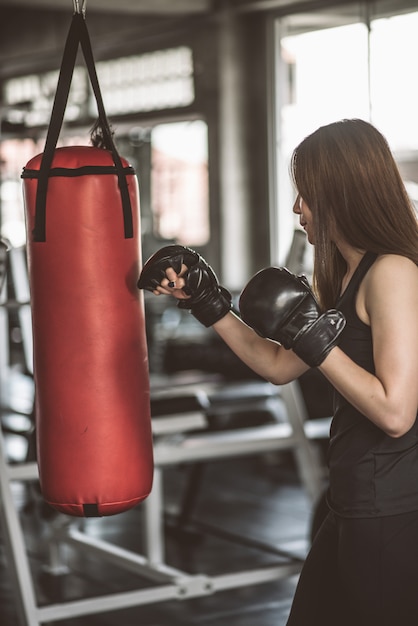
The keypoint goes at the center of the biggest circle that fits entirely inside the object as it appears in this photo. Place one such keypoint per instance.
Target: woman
(362, 333)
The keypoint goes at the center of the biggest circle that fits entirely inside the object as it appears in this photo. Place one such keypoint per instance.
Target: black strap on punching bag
(77, 34)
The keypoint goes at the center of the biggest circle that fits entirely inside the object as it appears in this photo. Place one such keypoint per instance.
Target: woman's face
(305, 217)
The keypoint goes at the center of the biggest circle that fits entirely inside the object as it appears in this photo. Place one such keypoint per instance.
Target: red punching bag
(94, 442)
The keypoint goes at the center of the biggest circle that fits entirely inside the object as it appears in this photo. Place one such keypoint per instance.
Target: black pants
(360, 572)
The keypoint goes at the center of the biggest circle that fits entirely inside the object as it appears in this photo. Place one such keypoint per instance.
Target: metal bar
(23, 471)
(305, 455)
(20, 279)
(105, 603)
(255, 576)
(170, 451)
(4, 348)
(194, 587)
(131, 561)
(154, 521)
(224, 444)
(15, 549)
(179, 422)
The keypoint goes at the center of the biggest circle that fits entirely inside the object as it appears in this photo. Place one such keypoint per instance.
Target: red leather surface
(90, 353)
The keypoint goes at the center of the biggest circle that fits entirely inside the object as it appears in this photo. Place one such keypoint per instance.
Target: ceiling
(154, 7)
(179, 8)
(116, 6)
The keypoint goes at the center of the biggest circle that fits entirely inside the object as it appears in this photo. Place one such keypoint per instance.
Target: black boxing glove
(208, 302)
(281, 306)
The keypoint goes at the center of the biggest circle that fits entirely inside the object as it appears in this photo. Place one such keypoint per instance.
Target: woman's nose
(296, 206)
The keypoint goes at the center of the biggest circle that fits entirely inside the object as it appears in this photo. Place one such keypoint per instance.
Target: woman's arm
(388, 301)
(265, 357)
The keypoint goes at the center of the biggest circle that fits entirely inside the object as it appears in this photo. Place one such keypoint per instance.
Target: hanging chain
(78, 8)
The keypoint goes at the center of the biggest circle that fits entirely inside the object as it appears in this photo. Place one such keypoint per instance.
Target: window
(179, 182)
(147, 82)
(343, 64)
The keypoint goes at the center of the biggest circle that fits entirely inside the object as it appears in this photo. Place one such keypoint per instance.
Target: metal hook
(78, 9)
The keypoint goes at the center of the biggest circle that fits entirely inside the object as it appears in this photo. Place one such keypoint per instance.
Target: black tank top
(371, 474)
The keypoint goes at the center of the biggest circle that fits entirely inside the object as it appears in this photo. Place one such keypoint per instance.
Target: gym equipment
(3, 255)
(165, 582)
(93, 426)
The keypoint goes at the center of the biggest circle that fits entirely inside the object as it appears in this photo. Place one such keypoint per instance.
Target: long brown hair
(348, 177)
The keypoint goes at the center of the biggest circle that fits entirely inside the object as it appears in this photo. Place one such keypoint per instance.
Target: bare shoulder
(392, 269)
(391, 279)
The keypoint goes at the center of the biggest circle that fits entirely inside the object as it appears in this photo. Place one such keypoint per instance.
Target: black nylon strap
(77, 34)
(123, 184)
(65, 172)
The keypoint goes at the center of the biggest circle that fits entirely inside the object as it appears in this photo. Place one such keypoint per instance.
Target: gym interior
(206, 100)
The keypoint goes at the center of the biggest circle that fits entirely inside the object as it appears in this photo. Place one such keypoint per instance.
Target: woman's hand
(181, 272)
(173, 284)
